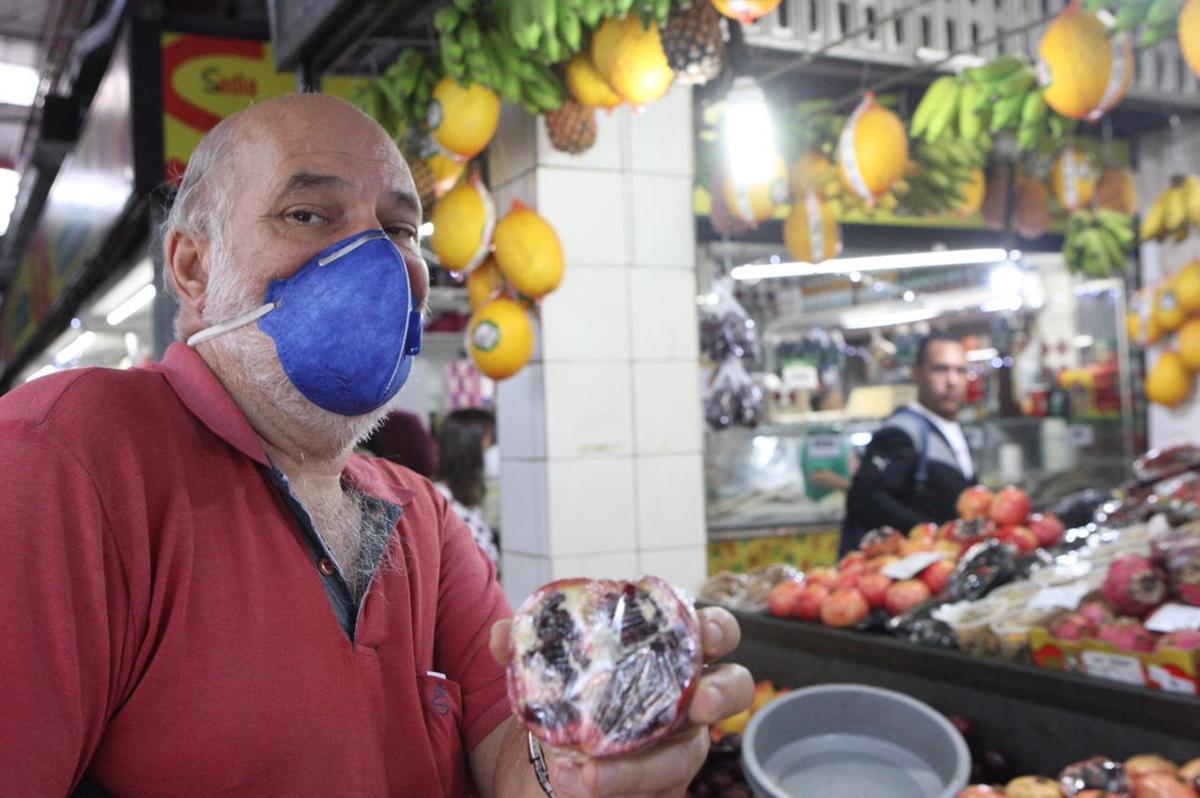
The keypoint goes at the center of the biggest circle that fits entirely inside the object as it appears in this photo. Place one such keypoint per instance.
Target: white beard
(251, 353)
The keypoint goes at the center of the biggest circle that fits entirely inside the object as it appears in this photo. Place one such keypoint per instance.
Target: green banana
(1034, 109)
(570, 30)
(1006, 112)
(996, 69)
(944, 114)
(971, 121)
(1163, 12)
(1016, 84)
(447, 19)
(465, 6)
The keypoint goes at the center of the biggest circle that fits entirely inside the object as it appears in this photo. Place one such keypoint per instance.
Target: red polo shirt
(165, 629)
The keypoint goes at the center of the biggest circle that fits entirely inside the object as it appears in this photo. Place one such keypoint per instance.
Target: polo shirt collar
(203, 394)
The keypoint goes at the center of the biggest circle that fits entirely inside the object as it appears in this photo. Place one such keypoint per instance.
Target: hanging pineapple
(694, 41)
(572, 127)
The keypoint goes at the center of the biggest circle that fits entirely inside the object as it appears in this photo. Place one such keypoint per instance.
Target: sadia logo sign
(238, 84)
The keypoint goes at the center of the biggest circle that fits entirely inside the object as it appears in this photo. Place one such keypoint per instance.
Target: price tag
(1170, 682)
(1080, 435)
(1174, 618)
(800, 377)
(912, 565)
(1063, 597)
(824, 447)
(1114, 667)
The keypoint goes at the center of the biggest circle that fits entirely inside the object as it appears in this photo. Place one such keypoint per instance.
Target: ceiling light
(73, 350)
(749, 138)
(874, 263)
(976, 355)
(18, 84)
(863, 321)
(142, 297)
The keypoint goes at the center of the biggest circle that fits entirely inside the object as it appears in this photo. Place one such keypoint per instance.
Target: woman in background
(466, 449)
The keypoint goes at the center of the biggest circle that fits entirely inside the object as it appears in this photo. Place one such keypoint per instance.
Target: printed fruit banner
(205, 79)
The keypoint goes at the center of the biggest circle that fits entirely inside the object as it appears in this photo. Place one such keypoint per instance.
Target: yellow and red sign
(205, 79)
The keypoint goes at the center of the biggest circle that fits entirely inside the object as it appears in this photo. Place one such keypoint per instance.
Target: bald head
(271, 185)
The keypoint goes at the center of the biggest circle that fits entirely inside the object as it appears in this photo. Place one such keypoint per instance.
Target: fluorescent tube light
(872, 263)
(862, 321)
(76, 348)
(18, 84)
(142, 297)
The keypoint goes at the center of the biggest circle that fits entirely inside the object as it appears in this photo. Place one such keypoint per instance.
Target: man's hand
(667, 768)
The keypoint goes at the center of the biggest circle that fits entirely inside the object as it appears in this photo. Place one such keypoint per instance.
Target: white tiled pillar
(600, 436)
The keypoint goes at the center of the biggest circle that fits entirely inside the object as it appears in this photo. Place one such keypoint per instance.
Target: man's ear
(187, 260)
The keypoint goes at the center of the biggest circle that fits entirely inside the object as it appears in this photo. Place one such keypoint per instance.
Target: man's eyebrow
(405, 198)
(300, 181)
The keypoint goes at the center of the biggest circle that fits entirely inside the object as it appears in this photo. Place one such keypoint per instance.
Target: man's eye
(403, 233)
(305, 217)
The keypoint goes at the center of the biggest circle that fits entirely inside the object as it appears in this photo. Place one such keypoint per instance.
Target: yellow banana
(1191, 188)
(1176, 212)
(1153, 224)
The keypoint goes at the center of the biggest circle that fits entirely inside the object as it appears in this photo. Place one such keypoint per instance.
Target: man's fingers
(720, 632)
(725, 690)
(499, 641)
(667, 768)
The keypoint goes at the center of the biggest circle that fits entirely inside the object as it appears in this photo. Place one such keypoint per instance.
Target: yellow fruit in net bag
(463, 222)
(463, 119)
(872, 150)
(500, 338)
(1073, 179)
(810, 231)
(1168, 382)
(1085, 72)
(757, 200)
(745, 11)
(483, 284)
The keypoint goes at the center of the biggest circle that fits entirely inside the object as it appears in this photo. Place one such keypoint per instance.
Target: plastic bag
(604, 667)
(985, 566)
(733, 397)
(726, 329)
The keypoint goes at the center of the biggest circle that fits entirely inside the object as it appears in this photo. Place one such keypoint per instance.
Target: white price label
(1174, 618)
(1170, 682)
(1114, 667)
(1063, 597)
(912, 565)
(824, 446)
(1080, 435)
(800, 377)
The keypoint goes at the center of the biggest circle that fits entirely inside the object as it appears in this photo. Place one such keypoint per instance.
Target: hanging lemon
(528, 252)
(1189, 344)
(810, 231)
(631, 59)
(463, 222)
(1085, 72)
(1072, 179)
(1168, 314)
(1187, 288)
(500, 338)
(463, 119)
(745, 11)
(1168, 382)
(483, 284)
(1189, 34)
(756, 201)
(872, 150)
(973, 194)
(587, 84)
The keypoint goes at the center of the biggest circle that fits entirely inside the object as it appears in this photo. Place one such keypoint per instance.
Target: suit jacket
(908, 475)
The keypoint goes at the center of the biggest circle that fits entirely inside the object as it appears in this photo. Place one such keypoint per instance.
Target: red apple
(974, 502)
(874, 587)
(882, 541)
(1163, 785)
(877, 564)
(937, 576)
(1047, 528)
(855, 559)
(848, 579)
(903, 596)
(807, 606)
(823, 576)
(845, 608)
(1020, 537)
(782, 598)
(1010, 507)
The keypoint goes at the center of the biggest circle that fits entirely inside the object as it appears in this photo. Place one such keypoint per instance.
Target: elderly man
(206, 591)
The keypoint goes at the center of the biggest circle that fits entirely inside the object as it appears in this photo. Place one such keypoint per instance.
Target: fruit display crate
(913, 29)
(1041, 717)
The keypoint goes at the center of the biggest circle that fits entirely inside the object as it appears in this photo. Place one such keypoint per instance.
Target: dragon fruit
(1185, 582)
(1186, 640)
(1073, 627)
(1134, 585)
(1096, 613)
(1127, 634)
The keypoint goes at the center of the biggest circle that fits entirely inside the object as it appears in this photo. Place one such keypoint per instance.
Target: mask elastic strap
(228, 326)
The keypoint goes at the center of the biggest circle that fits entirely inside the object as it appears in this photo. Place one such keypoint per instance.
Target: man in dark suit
(919, 462)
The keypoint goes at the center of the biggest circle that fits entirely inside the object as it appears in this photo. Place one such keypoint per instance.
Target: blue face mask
(344, 325)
